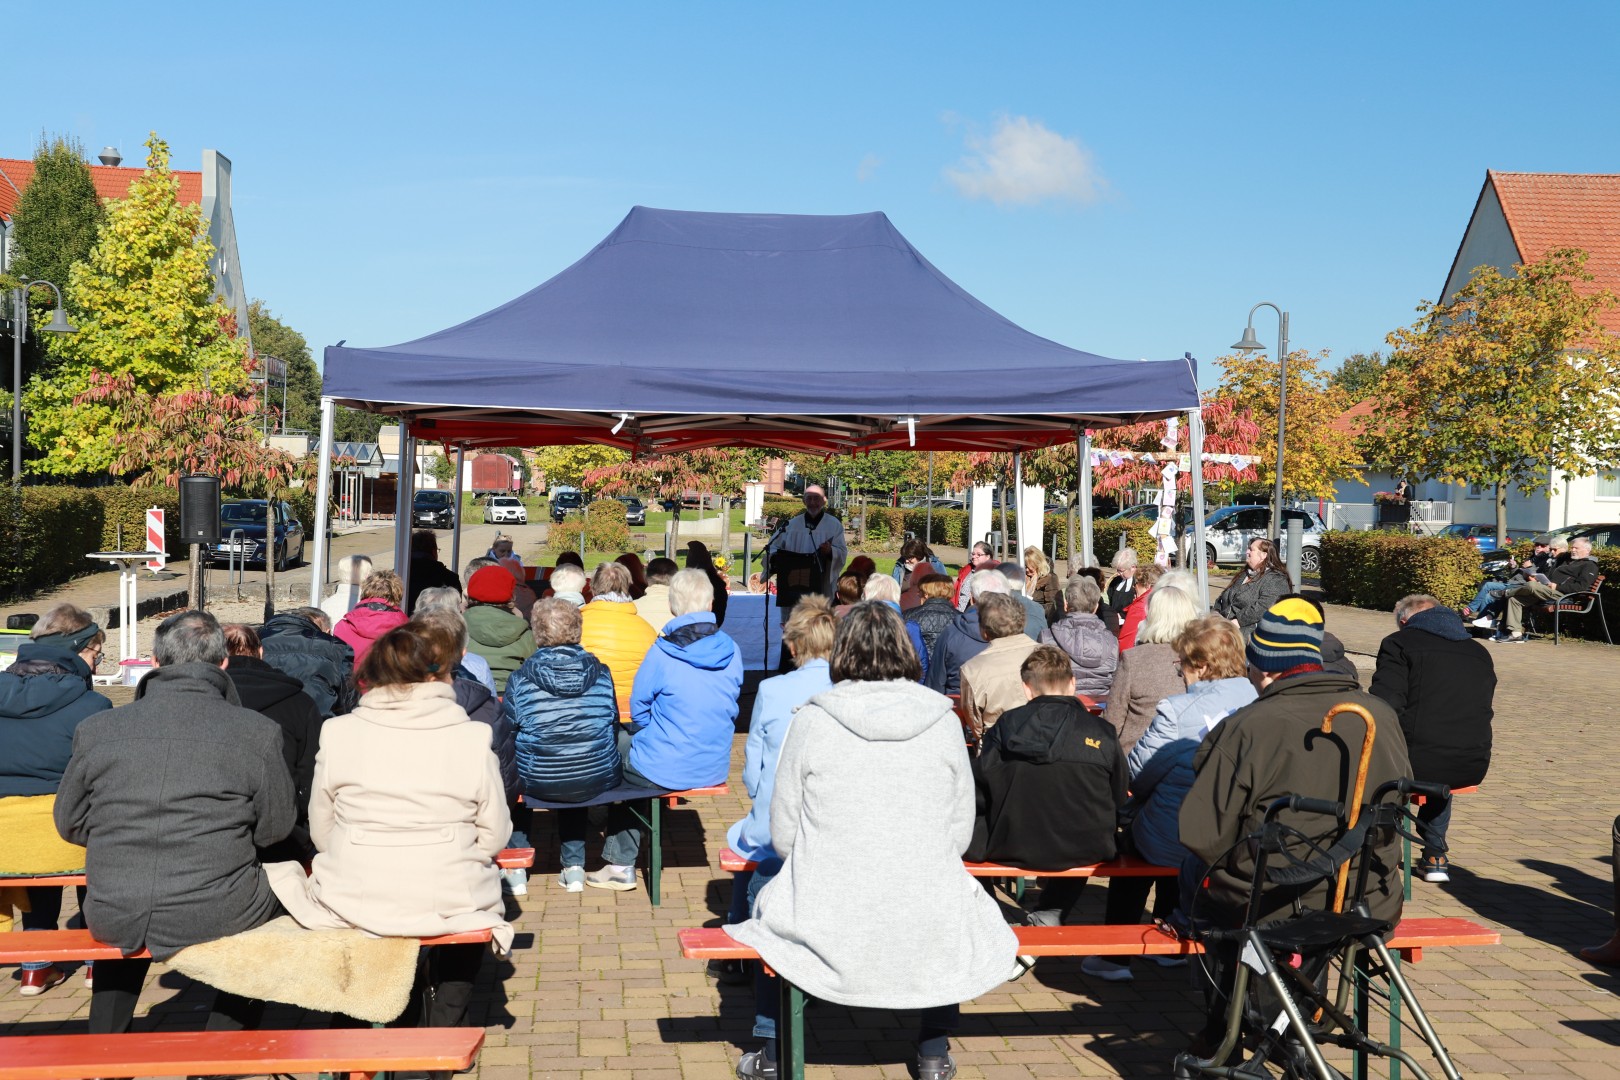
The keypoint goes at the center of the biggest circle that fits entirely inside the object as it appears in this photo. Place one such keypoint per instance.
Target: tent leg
(402, 506)
(1018, 504)
(1082, 448)
(1195, 441)
(455, 537)
(323, 497)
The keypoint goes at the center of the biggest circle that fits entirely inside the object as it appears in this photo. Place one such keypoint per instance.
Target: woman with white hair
(612, 630)
(1122, 587)
(1147, 672)
(887, 590)
(352, 571)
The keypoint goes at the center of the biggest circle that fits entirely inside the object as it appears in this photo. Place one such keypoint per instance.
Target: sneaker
(753, 1066)
(572, 879)
(1435, 868)
(605, 878)
(89, 974)
(1044, 917)
(1021, 966)
(1485, 622)
(1509, 638)
(1102, 968)
(936, 1068)
(36, 981)
(515, 882)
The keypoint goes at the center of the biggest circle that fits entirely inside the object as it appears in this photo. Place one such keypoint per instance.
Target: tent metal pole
(323, 496)
(402, 519)
(1082, 448)
(1018, 504)
(1195, 440)
(455, 537)
(928, 526)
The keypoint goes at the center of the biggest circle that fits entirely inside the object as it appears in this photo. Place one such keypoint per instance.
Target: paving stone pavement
(596, 986)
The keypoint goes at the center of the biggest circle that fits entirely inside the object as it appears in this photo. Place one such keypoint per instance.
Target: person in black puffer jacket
(300, 643)
(562, 705)
(936, 611)
(280, 698)
(43, 698)
(1051, 778)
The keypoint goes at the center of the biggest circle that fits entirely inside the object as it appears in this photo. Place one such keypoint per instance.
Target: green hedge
(45, 533)
(127, 506)
(603, 525)
(1374, 569)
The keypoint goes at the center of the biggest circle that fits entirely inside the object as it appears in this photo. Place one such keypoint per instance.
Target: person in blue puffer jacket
(561, 704)
(683, 715)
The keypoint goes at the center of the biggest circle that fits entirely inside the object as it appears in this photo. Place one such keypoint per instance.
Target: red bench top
(1124, 866)
(1410, 938)
(18, 946)
(191, 1053)
(514, 858)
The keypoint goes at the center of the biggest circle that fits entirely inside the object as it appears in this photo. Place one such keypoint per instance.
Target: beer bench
(62, 946)
(1409, 940)
(1123, 866)
(360, 1052)
(517, 858)
(652, 820)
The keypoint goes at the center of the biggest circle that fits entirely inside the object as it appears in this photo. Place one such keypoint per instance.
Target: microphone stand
(765, 576)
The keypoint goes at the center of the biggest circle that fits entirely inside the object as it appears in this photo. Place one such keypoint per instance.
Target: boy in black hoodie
(1051, 778)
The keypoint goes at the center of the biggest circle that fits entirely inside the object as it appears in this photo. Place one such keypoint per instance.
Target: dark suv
(434, 509)
(565, 503)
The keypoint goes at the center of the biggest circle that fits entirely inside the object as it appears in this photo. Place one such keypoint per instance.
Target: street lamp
(19, 330)
(1250, 343)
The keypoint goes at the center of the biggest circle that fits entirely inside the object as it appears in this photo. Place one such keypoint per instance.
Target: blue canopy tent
(683, 330)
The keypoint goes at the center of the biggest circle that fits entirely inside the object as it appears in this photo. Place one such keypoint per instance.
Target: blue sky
(1124, 178)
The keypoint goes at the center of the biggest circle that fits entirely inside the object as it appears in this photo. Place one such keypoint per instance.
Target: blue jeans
(572, 825)
(1433, 819)
(520, 824)
(44, 909)
(1489, 594)
(767, 988)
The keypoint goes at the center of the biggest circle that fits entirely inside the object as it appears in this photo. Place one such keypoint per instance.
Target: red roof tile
(1553, 210)
(1353, 421)
(111, 182)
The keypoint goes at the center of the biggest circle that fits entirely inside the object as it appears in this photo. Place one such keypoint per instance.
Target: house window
(1608, 485)
(1476, 491)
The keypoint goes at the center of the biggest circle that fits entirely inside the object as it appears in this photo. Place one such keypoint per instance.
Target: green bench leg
(1406, 867)
(790, 1033)
(652, 821)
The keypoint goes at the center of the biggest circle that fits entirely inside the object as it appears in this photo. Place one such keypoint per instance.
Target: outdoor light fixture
(19, 331)
(624, 418)
(1250, 343)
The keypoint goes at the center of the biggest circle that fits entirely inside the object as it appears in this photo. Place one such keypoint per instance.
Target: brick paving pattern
(596, 986)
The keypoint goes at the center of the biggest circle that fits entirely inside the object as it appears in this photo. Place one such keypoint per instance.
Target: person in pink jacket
(377, 613)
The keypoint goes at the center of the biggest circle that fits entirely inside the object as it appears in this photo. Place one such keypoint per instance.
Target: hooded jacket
(616, 634)
(958, 643)
(871, 766)
(322, 663)
(1050, 779)
(683, 705)
(43, 698)
(774, 705)
(1274, 747)
(1092, 648)
(562, 707)
(365, 624)
(1442, 685)
(169, 796)
(409, 814)
(1161, 762)
(485, 708)
(281, 698)
(501, 637)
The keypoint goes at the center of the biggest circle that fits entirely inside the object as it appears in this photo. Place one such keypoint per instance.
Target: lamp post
(1250, 343)
(19, 331)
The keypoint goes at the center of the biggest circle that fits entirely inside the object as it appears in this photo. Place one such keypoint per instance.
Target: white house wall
(1488, 242)
(226, 263)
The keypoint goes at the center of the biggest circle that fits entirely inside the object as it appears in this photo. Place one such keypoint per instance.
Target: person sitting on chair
(1575, 576)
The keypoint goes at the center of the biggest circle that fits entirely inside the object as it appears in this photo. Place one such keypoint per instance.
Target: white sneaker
(1022, 965)
(572, 879)
(515, 882)
(605, 878)
(1102, 968)
(1485, 622)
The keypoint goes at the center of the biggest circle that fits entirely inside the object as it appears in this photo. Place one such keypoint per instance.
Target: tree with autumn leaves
(1513, 379)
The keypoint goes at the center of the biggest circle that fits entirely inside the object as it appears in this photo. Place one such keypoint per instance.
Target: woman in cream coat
(408, 812)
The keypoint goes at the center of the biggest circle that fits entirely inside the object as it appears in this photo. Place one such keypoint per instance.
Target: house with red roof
(209, 188)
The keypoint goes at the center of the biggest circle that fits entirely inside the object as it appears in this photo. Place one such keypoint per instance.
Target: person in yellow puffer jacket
(612, 630)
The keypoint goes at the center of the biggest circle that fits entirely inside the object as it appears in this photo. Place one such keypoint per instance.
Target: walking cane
(1361, 779)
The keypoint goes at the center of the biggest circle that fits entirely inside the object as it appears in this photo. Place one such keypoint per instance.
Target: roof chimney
(110, 156)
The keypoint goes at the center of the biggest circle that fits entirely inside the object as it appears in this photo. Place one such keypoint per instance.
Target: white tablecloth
(753, 623)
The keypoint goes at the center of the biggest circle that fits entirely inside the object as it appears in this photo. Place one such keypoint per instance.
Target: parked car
(433, 509)
(1602, 534)
(246, 516)
(1483, 537)
(635, 513)
(941, 502)
(1227, 533)
(501, 508)
(566, 502)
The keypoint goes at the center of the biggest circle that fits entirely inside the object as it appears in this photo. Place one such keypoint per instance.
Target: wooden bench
(360, 1052)
(1581, 603)
(1123, 866)
(1408, 941)
(516, 858)
(653, 820)
(19, 946)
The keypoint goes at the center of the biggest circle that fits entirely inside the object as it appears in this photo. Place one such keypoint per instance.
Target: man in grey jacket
(169, 795)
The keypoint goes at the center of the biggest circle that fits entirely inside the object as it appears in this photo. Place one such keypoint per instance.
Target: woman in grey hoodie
(877, 760)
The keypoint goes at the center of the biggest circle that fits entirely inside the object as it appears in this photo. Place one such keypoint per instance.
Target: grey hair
(353, 569)
(450, 618)
(1080, 593)
(1559, 543)
(322, 621)
(1185, 580)
(568, 578)
(191, 637)
(1411, 604)
(983, 581)
(1124, 558)
(690, 590)
(1014, 575)
(475, 565)
(439, 598)
(881, 587)
(1168, 613)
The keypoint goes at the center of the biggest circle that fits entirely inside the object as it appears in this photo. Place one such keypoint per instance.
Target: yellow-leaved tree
(1315, 454)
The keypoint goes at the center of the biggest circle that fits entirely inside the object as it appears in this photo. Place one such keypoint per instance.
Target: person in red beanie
(495, 630)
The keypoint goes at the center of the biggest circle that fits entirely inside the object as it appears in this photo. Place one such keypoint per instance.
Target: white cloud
(1024, 162)
(867, 168)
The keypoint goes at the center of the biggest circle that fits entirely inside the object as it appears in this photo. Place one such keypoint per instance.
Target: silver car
(1227, 533)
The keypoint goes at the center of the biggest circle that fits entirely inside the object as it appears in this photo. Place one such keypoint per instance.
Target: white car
(1227, 533)
(505, 508)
